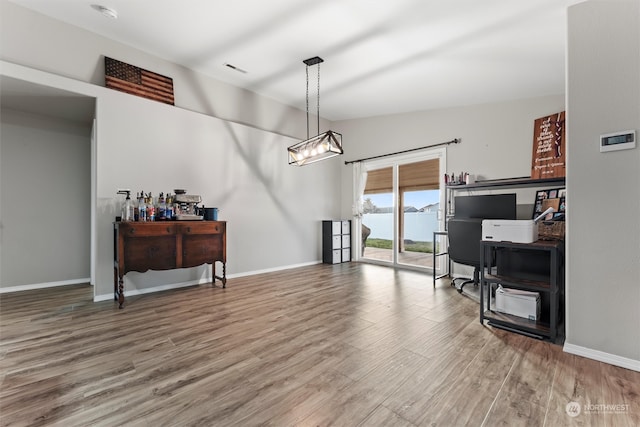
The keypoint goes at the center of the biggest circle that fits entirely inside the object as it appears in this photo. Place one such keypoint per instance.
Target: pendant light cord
(307, 102)
(318, 109)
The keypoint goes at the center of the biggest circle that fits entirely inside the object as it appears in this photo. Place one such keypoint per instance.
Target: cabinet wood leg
(115, 284)
(222, 278)
(224, 275)
(121, 292)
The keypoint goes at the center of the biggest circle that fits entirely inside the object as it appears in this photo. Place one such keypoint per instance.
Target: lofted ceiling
(381, 56)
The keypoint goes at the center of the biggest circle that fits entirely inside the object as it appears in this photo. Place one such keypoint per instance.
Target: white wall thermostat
(618, 141)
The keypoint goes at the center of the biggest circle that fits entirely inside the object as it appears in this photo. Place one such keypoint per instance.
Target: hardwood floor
(346, 345)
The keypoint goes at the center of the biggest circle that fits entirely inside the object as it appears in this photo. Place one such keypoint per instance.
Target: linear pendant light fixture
(322, 146)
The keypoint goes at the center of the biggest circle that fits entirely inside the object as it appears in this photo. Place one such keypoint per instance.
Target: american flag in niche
(137, 81)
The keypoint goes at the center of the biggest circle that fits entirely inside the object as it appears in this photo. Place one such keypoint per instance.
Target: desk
(165, 245)
(536, 267)
(495, 184)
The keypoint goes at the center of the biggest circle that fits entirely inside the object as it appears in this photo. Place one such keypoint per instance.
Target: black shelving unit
(542, 272)
(437, 252)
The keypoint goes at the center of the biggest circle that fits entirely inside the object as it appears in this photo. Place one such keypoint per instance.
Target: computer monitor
(490, 206)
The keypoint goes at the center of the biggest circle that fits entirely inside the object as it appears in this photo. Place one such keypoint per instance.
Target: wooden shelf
(510, 182)
(519, 283)
(532, 326)
(539, 245)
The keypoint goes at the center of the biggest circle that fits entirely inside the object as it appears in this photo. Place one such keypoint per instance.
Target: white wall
(496, 142)
(72, 52)
(273, 209)
(45, 200)
(603, 234)
(496, 139)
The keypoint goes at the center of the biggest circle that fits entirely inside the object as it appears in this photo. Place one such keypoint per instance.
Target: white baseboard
(274, 269)
(107, 297)
(43, 285)
(601, 356)
(133, 292)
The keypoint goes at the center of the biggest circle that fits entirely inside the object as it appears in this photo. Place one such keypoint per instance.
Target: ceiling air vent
(233, 67)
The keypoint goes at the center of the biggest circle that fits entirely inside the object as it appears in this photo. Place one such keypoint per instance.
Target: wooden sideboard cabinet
(165, 245)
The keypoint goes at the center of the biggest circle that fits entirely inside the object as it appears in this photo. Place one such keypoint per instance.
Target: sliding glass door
(378, 215)
(402, 205)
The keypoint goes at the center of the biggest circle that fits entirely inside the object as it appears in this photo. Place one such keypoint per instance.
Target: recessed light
(106, 11)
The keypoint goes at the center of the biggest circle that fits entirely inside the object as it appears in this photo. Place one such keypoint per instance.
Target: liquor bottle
(169, 209)
(136, 213)
(127, 207)
(162, 208)
(142, 208)
(151, 209)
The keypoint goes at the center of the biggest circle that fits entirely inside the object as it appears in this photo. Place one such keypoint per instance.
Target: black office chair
(465, 235)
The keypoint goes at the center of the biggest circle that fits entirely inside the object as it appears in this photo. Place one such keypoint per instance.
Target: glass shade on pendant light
(319, 147)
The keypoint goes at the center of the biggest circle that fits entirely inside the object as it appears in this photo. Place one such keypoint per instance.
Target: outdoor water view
(417, 224)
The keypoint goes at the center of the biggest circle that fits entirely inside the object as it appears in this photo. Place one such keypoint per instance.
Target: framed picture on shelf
(551, 198)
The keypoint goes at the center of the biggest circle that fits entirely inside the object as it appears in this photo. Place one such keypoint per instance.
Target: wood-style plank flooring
(345, 345)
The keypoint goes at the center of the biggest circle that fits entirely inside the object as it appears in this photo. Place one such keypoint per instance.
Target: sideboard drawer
(202, 227)
(147, 229)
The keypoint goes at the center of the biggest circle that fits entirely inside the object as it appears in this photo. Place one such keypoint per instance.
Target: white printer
(518, 303)
(510, 230)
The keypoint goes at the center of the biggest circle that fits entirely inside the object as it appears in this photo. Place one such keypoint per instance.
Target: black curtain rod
(453, 141)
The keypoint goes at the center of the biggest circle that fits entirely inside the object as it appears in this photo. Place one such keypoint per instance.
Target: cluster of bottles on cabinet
(148, 208)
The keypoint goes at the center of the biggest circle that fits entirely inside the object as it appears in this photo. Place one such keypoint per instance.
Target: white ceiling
(381, 56)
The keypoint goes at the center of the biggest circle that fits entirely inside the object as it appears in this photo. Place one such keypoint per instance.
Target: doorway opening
(48, 147)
